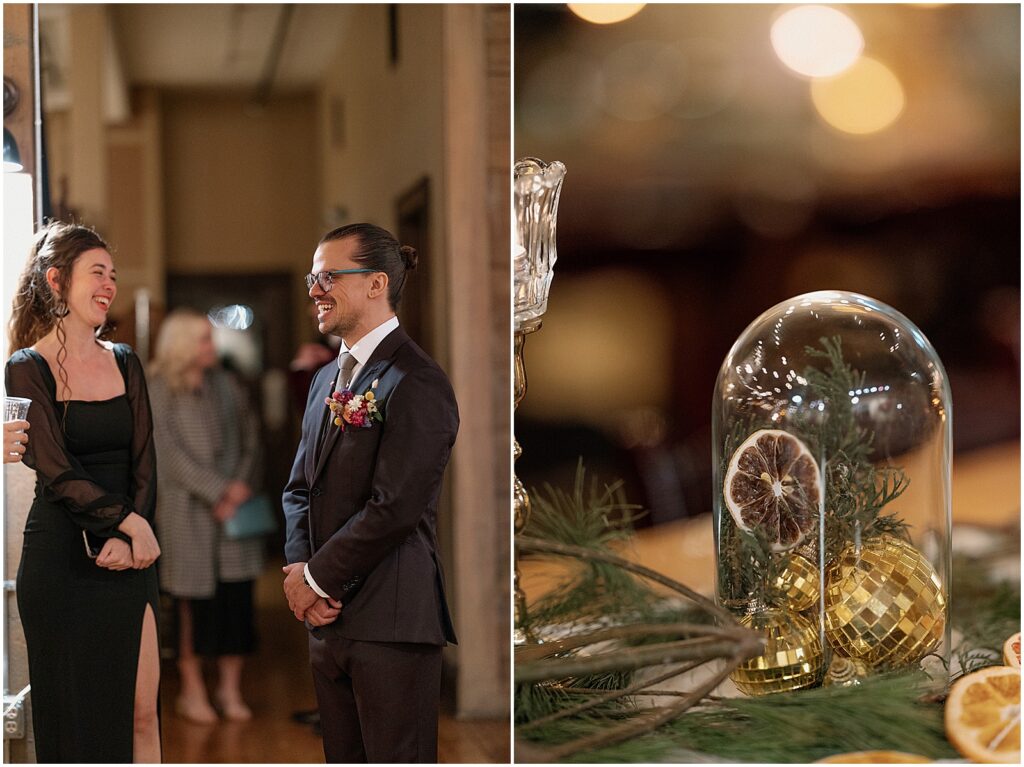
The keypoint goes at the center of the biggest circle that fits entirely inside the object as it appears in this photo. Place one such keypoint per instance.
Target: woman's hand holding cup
(15, 428)
(15, 439)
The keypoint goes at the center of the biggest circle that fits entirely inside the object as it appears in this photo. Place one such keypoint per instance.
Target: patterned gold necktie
(346, 364)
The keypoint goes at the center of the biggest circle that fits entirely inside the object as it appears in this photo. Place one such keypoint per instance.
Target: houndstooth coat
(195, 466)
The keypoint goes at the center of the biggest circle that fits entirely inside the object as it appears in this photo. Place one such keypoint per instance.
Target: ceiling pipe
(284, 19)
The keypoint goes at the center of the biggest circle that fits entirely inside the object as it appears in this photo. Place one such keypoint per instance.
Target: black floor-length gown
(94, 465)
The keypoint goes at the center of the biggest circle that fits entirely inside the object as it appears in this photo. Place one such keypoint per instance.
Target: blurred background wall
(212, 146)
(707, 181)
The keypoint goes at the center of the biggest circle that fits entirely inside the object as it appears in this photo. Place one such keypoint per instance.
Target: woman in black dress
(87, 590)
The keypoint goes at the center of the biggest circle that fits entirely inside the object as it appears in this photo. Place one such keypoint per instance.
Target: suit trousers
(378, 700)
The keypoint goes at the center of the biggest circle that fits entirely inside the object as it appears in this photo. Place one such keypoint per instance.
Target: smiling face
(340, 312)
(93, 287)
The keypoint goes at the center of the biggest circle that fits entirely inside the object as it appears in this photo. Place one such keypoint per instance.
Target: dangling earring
(60, 309)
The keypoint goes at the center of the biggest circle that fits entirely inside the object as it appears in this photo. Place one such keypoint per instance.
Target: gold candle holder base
(520, 498)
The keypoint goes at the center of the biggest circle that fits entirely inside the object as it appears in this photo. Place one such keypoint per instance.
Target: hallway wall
(239, 187)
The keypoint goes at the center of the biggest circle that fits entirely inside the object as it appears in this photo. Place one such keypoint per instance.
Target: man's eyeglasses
(326, 279)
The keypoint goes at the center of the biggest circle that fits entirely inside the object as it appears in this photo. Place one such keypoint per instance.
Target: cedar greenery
(856, 491)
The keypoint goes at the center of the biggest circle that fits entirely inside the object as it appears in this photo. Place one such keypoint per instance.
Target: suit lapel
(378, 360)
(313, 455)
(362, 382)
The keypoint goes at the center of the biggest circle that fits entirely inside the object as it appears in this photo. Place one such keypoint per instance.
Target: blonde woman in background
(207, 439)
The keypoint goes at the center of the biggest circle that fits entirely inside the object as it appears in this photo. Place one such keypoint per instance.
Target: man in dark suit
(361, 510)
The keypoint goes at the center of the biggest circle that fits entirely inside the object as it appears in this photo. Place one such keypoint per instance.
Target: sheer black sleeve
(143, 449)
(62, 477)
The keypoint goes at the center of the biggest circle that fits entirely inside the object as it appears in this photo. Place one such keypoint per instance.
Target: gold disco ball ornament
(799, 584)
(792, 658)
(884, 604)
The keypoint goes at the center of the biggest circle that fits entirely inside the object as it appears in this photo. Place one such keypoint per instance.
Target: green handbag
(253, 518)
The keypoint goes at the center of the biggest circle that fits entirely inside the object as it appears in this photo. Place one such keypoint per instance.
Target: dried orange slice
(874, 757)
(1011, 651)
(983, 715)
(773, 484)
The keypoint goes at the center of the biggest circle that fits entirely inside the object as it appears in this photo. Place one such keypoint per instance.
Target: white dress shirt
(361, 350)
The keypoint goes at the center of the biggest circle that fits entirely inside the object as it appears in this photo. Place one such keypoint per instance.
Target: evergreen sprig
(856, 491)
(985, 613)
(884, 712)
(596, 516)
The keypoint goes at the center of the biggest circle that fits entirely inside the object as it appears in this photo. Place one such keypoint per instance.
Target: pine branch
(885, 712)
(550, 676)
(592, 516)
(985, 613)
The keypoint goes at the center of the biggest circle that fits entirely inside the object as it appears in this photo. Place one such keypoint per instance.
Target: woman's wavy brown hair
(37, 308)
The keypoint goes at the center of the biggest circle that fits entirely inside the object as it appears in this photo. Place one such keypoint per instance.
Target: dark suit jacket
(362, 510)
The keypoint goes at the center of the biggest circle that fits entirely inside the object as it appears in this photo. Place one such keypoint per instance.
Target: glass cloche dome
(831, 433)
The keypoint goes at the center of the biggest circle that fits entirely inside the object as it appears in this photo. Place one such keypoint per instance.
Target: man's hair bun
(409, 256)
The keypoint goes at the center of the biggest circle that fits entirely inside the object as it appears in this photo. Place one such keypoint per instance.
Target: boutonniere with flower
(359, 410)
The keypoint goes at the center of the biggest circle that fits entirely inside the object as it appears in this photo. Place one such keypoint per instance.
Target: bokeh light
(816, 41)
(865, 99)
(606, 13)
(236, 316)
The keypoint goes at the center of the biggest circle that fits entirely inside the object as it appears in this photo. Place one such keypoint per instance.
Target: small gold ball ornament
(884, 604)
(792, 657)
(799, 584)
(844, 672)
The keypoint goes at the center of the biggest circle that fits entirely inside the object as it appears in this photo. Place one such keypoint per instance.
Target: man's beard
(340, 324)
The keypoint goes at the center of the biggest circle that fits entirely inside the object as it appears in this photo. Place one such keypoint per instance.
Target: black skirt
(225, 624)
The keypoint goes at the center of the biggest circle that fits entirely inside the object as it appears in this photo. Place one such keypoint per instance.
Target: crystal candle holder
(536, 188)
